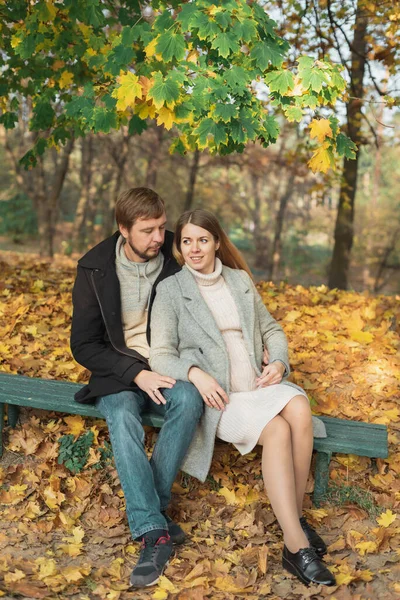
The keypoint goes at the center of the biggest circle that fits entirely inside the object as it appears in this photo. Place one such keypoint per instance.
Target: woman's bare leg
(279, 480)
(298, 414)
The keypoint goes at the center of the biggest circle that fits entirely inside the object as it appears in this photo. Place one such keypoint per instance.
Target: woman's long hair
(227, 252)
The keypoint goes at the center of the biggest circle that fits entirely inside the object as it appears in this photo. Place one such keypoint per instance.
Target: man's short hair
(138, 203)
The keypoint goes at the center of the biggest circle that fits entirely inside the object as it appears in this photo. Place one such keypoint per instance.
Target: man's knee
(185, 397)
(119, 408)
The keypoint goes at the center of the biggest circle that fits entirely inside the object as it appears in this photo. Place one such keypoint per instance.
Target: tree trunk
(192, 180)
(261, 242)
(154, 160)
(344, 230)
(78, 233)
(280, 217)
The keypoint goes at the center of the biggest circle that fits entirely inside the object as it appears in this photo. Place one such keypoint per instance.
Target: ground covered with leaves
(63, 531)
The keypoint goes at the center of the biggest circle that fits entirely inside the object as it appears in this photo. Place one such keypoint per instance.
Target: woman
(209, 326)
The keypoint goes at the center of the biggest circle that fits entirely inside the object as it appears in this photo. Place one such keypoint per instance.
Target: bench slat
(51, 395)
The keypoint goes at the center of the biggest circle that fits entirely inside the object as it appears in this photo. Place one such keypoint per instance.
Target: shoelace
(148, 547)
(308, 555)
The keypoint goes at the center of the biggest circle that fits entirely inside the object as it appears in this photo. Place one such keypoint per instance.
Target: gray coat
(184, 334)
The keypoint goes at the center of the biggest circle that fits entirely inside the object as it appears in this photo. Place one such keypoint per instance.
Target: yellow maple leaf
(150, 49)
(165, 117)
(229, 495)
(165, 584)
(76, 425)
(72, 574)
(367, 547)
(320, 129)
(53, 498)
(386, 518)
(322, 160)
(66, 79)
(364, 337)
(292, 316)
(47, 567)
(115, 568)
(145, 110)
(12, 577)
(128, 91)
(160, 594)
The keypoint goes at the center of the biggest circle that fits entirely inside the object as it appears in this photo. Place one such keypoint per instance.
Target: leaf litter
(64, 534)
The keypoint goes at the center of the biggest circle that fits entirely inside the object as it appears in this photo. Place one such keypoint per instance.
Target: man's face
(144, 239)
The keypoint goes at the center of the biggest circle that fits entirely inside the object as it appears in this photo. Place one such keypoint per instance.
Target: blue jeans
(147, 485)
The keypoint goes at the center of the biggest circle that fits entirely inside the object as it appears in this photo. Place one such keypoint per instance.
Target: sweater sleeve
(164, 351)
(273, 336)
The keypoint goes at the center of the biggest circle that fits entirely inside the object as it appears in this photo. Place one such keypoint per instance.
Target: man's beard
(144, 255)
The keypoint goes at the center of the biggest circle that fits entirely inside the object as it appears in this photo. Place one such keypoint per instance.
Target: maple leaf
(322, 160)
(128, 91)
(229, 495)
(66, 79)
(166, 117)
(320, 129)
(386, 518)
(76, 425)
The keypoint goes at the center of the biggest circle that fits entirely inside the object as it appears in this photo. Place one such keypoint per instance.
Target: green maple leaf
(237, 77)
(210, 130)
(245, 30)
(244, 129)
(43, 116)
(171, 45)
(313, 78)
(271, 127)
(309, 100)
(225, 112)
(280, 81)
(225, 43)
(165, 90)
(207, 30)
(103, 120)
(267, 52)
(136, 125)
(294, 113)
(345, 146)
(186, 15)
(223, 19)
(8, 119)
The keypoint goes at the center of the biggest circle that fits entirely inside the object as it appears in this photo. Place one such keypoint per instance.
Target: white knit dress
(249, 409)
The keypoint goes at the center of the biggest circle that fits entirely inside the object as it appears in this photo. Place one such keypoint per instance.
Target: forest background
(291, 223)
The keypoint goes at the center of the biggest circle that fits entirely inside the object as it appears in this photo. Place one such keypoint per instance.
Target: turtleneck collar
(207, 278)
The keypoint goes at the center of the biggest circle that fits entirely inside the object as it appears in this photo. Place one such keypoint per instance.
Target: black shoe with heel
(315, 540)
(307, 567)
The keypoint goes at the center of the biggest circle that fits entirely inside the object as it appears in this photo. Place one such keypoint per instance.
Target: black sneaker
(176, 533)
(307, 567)
(315, 540)
(154, 555)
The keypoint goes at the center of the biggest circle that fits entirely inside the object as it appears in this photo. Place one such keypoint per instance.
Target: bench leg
(13, 414)
(1, 427)
(321, 476)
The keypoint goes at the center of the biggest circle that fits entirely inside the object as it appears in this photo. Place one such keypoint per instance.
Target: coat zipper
(105, 322)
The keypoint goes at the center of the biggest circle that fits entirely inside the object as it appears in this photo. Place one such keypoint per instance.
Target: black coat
(97, 337)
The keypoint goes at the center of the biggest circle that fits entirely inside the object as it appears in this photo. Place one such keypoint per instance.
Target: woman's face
(198, 248)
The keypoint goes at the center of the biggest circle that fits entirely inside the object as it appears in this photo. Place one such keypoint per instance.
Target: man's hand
(210, 390)
(271, 374)
(150, 382)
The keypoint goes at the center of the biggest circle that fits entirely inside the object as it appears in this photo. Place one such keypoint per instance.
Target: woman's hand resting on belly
(271, 374)
(212, 393)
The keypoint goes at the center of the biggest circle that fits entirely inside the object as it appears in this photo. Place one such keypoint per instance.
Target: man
(112, 299)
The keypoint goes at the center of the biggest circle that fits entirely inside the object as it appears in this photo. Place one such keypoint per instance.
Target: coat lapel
(242, 294)
(197, 306)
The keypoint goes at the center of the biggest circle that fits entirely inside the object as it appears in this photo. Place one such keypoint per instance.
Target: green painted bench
(344, 437)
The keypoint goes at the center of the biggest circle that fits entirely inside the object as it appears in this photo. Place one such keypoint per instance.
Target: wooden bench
(344, 437)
